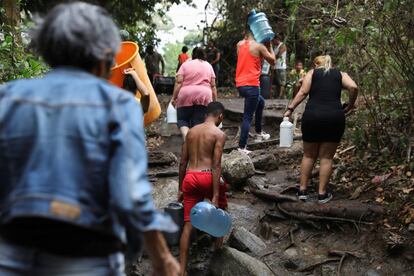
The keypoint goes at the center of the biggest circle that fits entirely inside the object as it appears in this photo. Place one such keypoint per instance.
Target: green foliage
(171, 52)
(141, 18)
(193, 38)
(375, 46)
(15, 60)
(124, 11)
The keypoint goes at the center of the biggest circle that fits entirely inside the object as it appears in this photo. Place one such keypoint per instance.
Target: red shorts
(196, 187)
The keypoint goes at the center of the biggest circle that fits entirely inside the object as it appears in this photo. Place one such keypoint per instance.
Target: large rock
(257, 182)
(237, 167)
(246, 241)
(164, 191)
(161, 158)
(264, 161)
(229, 262)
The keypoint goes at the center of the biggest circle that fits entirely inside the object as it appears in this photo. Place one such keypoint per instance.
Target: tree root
(272, 195)
(345, 211)
(314, 265)
(355, 254)
(338, 273)
(292, 239)
(305, 217)
(343, 255)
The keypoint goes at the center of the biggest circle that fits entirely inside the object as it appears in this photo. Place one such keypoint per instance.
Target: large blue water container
(260, 27)
(207, 218)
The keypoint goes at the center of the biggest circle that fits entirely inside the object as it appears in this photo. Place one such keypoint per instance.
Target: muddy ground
(292, 247)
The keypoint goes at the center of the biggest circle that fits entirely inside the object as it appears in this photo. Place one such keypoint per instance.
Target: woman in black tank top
(323, 122)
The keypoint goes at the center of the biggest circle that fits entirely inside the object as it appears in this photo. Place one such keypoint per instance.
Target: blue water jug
(260, 27)
(207, 218)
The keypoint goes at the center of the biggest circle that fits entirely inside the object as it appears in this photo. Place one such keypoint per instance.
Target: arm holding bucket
(142, 89)
(178, 83)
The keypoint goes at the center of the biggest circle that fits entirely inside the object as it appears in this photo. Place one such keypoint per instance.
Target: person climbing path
(200, 172)
(248, 71)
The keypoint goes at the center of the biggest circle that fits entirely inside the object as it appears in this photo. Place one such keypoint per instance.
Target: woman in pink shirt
(195, 88)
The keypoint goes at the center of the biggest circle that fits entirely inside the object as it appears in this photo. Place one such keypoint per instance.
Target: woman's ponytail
(324, 62)
(328, 63)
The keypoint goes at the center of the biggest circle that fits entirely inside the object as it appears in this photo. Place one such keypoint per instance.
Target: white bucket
(171, 114)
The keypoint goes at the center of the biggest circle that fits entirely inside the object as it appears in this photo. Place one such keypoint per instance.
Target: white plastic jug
(286, 133)
(171, 114)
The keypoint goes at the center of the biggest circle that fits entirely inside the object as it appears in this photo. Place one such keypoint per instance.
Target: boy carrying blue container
(200, 171)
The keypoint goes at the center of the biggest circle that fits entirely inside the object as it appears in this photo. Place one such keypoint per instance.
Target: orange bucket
(128, 57)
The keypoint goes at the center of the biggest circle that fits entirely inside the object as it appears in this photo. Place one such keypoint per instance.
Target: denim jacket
(72, 148)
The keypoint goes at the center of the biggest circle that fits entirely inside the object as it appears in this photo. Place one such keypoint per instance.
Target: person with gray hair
(74, 193)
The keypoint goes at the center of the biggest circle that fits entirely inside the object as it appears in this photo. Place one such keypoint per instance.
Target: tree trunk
(12, 14)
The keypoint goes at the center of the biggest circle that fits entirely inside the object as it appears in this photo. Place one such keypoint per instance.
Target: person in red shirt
(249, 66)
(183, 57)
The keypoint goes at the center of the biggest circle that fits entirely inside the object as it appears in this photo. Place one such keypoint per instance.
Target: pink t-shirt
(196, 87)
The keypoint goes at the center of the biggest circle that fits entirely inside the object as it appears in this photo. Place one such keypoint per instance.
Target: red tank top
(248, 68)
(182, 58)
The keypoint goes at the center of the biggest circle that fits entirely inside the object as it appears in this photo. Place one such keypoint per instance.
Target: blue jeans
(253, 104)
(22, 261)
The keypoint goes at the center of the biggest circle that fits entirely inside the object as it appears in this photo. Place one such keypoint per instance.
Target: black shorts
(319, 125)
(189, 116)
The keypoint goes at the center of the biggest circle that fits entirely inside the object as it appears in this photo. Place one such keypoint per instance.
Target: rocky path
(267, 240)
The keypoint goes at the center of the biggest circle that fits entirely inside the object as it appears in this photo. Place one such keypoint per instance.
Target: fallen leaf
(408, 173)
(379, 199)
(379, 190)
(407, 190)
(378, 179)
(357, 193)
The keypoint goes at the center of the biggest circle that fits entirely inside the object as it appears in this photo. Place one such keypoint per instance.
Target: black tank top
(325, 91)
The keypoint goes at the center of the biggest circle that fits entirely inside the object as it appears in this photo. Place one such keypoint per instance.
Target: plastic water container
(127, 57)
(171, 114)
(286, 133)
(176, 211)
(207, 218)
(260, 27)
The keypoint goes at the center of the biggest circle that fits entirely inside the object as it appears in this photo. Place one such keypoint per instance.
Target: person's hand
(348, 109)
(168, 267)
(288, 113)
(215, 201)
(174, 102)
(130, 71)
(268, 44)
(180, 197)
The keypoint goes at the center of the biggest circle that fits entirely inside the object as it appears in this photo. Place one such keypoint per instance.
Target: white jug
(171, 114)
(286, 133)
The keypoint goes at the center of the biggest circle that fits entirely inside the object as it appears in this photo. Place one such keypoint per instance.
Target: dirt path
(292, 247)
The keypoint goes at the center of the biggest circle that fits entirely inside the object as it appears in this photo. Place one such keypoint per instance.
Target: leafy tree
(140, 18)
(375, 45)
(193, 38)
(125, 11)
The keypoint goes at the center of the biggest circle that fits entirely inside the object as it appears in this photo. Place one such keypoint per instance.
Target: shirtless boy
(200, 171)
